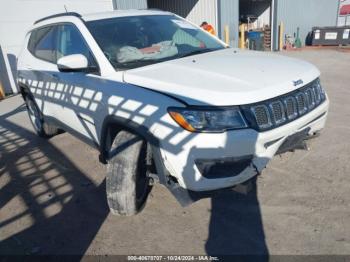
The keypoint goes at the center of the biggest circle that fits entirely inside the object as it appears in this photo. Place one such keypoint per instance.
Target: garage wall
(16, 16)
(130, 4)
(196, 11)
(305, 15)
(229, 15)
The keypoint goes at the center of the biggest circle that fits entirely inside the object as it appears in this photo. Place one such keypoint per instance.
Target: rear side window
(42, 43)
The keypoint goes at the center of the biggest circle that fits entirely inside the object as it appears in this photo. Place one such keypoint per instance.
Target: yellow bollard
(227, 35)
(281, 36)
(2, 93)
(2, 64)
(242, 42)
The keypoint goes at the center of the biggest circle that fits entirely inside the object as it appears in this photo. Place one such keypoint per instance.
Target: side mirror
(74, 63)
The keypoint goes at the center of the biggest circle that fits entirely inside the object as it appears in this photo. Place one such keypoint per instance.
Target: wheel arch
(24, 90)
(114, 124)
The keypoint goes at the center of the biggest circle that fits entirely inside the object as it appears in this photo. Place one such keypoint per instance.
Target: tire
(36, 118)
(127, 181)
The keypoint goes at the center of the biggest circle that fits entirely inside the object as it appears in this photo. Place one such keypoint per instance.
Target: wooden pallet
(267, 38)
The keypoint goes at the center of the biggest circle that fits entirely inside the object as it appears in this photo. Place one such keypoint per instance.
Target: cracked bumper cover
(238, 145)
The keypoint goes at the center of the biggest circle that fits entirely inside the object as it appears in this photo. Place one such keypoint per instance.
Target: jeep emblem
(298, 82)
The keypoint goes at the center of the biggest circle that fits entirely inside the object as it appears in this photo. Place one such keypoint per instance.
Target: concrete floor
(52, 198)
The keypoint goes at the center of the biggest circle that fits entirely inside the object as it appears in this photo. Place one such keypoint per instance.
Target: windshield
(131, 42)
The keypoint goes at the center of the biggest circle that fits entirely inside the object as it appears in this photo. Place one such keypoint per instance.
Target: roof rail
(59, 15)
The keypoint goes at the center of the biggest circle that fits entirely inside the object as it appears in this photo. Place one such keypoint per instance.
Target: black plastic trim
(59, 15)
(294, 141)
(224, 167)
(270, 143)
(246, 109)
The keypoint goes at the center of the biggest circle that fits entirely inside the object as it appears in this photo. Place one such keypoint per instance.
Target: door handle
(27, 67)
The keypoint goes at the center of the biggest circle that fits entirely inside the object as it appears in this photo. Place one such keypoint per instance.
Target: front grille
(302, 103)
(291, 107)
(310, 93)
(278, 112)
(262, 116)
(281, 110)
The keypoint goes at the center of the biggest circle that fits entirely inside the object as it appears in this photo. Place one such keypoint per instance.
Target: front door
(79, 95)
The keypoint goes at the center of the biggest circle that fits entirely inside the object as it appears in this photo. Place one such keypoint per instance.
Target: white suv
(162, 100)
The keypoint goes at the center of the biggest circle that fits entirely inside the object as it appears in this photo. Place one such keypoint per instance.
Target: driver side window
(70, 42)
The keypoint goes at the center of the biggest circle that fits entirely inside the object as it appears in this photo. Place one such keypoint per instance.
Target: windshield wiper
(200, 51)
(144, 62)
(137, 63)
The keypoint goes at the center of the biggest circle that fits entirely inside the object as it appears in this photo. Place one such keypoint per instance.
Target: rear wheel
(127, 181)
(36, 118)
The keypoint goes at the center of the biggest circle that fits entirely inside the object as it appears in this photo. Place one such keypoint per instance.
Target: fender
(24, 89)
(183, 196)
(113, 124)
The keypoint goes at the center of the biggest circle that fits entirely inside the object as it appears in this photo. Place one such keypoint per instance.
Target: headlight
(208, 120)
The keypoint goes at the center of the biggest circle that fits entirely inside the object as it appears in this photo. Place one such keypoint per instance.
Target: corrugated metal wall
(229, 15)
(305, 14)
(196, 11)
(130, 4)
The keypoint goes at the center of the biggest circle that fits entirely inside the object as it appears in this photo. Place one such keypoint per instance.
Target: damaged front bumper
(208, 162)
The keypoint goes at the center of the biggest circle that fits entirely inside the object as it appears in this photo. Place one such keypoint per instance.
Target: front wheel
(127, 181)
(36, 118)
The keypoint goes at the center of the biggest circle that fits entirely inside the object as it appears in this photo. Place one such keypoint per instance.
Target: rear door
(38, 68)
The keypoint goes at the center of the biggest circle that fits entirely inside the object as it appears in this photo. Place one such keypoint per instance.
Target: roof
(122, 13)
(345, 10)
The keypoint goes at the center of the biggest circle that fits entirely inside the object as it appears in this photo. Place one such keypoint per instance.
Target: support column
(228, 17)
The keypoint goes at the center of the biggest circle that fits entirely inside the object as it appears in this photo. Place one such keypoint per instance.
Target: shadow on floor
(66, 210)
(236, 225)
(62, 210)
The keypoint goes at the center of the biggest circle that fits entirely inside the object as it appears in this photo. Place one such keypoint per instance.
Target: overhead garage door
(196, 11)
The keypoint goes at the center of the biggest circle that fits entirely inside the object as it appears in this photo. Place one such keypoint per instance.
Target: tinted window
(71, 42)
(42, 43)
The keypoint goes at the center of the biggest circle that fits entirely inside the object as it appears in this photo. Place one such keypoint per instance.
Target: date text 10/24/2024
(172, 258)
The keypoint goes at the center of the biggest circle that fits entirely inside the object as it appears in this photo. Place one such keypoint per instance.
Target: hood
(226, 77)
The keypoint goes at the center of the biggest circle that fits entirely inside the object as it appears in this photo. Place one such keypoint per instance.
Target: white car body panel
(142, 96)
(233, 144)
(226, 77)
